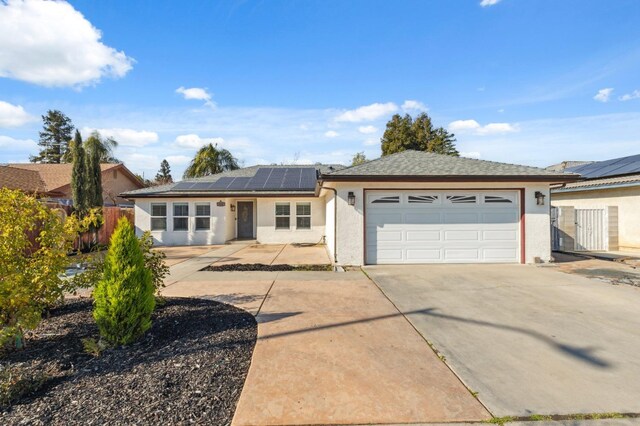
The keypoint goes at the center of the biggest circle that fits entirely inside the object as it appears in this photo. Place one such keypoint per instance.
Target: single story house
(53, 181)
(409, 207)
(602, 211)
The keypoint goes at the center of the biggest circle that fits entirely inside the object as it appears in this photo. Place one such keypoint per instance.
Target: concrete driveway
(529, 340)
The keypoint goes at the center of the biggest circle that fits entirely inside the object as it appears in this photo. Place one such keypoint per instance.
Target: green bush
(123, 298)
(154, 262)
(17, 382)
(34, 242)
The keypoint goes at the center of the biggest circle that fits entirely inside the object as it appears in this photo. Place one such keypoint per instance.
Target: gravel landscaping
(189, 368)
(244, 267)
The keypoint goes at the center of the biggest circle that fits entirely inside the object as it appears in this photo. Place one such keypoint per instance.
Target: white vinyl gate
(591, 230)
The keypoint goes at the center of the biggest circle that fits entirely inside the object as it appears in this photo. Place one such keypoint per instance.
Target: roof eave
(452, 178)
(219, 195)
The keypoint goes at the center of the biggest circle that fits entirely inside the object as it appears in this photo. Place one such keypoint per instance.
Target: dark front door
(245, 220)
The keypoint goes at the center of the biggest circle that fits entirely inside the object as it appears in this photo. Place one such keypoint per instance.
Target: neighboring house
(410, 207)
(601, 212)
(53, 181)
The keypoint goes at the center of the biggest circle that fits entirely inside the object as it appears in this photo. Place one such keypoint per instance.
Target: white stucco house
(409, 207)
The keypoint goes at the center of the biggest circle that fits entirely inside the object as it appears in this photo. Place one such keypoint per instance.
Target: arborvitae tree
(358, 158)
(94, 173)
(54, 138)
(404, 133)
(123, 298)
(164, 174)
(79, 175)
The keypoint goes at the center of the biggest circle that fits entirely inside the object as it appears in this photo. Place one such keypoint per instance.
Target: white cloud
(603, 95)
(194, 141)
(368, 112)
(367, 130)
(13, 115)
(414, 106)
(485, 3)
(629, 96)
(331, 134)
(197, 93)
(49, 43)
(371, 142)
(472, 126)
(125, 137)
(178, 160)
(7, 142)
(471, 154)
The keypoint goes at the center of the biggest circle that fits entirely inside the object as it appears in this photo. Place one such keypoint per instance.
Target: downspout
(335, 223)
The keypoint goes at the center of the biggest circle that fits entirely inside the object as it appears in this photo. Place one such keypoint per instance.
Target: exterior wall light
(351, 198)
(233, 207)
(539, 198)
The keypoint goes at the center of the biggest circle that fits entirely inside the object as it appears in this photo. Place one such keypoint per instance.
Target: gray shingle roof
(427, 164)
(168, 189)
(590, 184)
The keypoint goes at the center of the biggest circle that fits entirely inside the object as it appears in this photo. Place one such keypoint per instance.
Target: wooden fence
(110, 214)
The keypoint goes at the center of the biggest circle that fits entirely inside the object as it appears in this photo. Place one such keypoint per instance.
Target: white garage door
(442, 227)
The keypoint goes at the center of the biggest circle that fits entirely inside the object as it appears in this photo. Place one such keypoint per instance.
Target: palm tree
(104, 147)
(210, 160)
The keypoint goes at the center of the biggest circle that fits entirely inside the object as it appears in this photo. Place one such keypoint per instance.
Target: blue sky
(531, 82)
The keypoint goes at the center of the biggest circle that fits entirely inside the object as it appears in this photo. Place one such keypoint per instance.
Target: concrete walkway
(333, 350)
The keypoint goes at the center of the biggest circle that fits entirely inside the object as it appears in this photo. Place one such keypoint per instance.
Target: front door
(245, 220)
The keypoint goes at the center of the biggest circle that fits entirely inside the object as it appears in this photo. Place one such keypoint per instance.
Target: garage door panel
(462, 254)
(423, 255)
(459, 217)
(461, 235)
(500, 217)
(500, 235)
(417, 236)
(435, 230)
(424, 217)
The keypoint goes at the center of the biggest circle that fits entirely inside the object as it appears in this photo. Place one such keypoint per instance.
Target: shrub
(17, 382)
(123, 298)
(154, 262)
(34, 242)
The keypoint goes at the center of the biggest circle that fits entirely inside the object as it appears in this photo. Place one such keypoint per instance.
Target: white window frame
(199, 216)
(175, 216)
(276, 215)
(303, 203)
(157, 217)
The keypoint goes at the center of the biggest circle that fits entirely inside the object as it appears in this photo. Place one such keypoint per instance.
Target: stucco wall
(350, 232)
(216, 234)
(330, 222)
(266, 226)
(627, 200)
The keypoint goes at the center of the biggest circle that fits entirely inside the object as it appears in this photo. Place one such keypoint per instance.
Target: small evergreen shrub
(154, 262)
(123, 298)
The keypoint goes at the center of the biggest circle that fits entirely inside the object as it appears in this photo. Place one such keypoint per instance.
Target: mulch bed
(189, 368)
(245, 267)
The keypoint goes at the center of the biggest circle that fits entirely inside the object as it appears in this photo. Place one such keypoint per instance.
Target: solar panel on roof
(238, 183)
(613, 167)
(183, 186)
(222, 183)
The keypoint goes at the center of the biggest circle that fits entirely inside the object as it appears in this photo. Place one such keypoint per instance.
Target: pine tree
(54, 138)
(123, 298)
(94, 173)
(78, 175)
(419, 134)
(164, 174)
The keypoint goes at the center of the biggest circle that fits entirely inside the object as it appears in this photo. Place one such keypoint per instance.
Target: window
(423, 199)
(495, 199)
(203, 217)
(461, 199)
(159, 217)
(180, 216)
(283, 215)
(303, 215)
(387, 200)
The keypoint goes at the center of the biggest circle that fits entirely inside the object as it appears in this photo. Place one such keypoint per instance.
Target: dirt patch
(247, 267)
(189, 368)
(613, 276)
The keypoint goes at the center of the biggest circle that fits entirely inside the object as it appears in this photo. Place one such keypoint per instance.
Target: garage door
(442, 227)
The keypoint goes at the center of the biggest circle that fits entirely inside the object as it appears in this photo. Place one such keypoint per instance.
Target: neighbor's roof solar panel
(614, 167)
